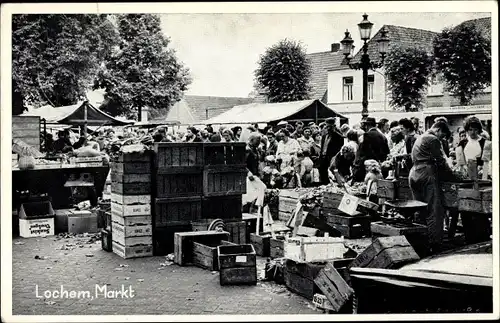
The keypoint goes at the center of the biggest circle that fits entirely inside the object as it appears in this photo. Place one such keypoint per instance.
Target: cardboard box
(82, 222)
(39, 227)
(32, 210)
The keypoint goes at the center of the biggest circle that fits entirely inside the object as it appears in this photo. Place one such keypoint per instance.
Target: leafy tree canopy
(56, 57)
(463, 56)
(407, 71)
(284, 71)
(142, 71)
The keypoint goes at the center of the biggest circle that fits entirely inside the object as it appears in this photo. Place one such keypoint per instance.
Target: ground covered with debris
(45, 272)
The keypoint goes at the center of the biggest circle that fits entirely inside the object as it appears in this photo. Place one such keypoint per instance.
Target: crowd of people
(287, 155)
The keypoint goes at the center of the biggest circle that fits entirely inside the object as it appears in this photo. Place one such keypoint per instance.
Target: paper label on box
(349, 204)
(241, 258)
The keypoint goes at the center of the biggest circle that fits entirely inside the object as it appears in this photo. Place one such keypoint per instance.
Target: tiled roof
(321, 63)
(215, 105)
(482, 24)
(401, 36)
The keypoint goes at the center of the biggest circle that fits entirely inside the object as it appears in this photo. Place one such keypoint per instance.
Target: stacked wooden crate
(177, 191)
(131, 217)
(224, 183)
(287, 204)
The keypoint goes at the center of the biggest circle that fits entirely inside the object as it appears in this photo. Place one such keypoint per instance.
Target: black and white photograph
(276, 161)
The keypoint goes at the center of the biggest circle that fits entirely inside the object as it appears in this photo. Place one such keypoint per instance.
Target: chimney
(335, 47)
(144, 114)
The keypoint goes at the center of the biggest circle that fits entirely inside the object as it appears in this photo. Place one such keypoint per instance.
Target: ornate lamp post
(365, 64)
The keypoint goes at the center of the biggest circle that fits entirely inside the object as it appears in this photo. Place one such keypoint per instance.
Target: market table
(51, 180)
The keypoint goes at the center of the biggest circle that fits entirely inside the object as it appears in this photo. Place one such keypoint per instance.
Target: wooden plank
(119, 236)
(183, 243)
(131, 188)
(130, 178)
(132, 252)
(131, 168)
(133, 220)
(334, 287)
(386, 252)
(130, 199)
(130, 210)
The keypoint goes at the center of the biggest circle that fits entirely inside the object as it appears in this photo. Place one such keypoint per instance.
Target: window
(371, 83)
(347, 86)
(436, 85)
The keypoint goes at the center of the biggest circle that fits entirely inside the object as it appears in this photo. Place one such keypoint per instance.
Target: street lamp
(365, 64)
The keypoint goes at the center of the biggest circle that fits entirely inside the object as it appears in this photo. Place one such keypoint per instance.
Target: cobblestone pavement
(160, 288)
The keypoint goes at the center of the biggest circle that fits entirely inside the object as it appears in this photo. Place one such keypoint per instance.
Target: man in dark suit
(331, 143)
(373, 146)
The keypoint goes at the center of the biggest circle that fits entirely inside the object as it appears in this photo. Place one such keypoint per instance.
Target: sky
(222, 50)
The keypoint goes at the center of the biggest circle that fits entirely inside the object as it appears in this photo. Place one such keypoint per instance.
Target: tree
(142, 72)
(284, 72)
(407, 71)
(463, 56)
(56, 57)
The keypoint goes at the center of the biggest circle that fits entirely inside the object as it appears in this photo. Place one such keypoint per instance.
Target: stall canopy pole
(85, 124)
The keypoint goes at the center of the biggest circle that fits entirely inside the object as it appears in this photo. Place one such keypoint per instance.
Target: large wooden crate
(477, 201)
(177, 211)
(130, 178)
(205, 254)
(331, 281)
(179, 181)
(311, 249)
(174, 155)
(140, 167)
(237, 265)
(386, 253)
(222, 207)
(183, 243)
(131, 188)
(287, 202)
(261, 244)
(27, 129)
(163, 238)
(416, 234)
(229, 180)
(137, 251)
(351, 227)
(299, 277)
(221, 154)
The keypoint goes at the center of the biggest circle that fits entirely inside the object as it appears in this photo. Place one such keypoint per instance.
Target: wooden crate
(231, 180)
(351, 227)
(106, 241)
(131, 188)
(261, 244)
(416, 234)
(27, 129)
(130, 178)
(174, 182)
(131, 167)
(173, 155)
(222, 207)
(333, 285)
(82, 222)
(331, 200)
(205, 254)
(183, 243)
(277, 247)
(299, 277)
(177, 211)
(387, 253)
(136, 220)
(387, 188)
(125, 241)
(237, 231)
(321, 223)
(122, 232)
(130, 210)
(237, 265)
(132, 252)
(163, 238)
(135, 157)
(130, 199)
(311, 249)
(220, 153)
(404, 191)
(477, 201)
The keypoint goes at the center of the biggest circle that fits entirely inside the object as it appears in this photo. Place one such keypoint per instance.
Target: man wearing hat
(373, 146)
(331, 143)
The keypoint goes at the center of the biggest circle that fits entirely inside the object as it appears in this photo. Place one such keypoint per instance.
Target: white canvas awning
(269, 112)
